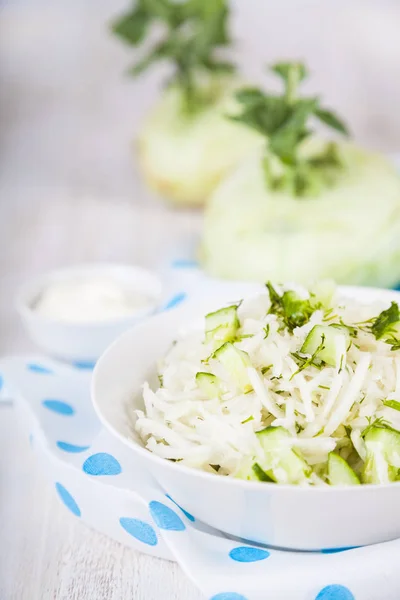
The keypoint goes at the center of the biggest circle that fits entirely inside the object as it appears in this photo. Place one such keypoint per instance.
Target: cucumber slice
(376, 470)
(209, 384)
(253, 472)
(322, 294)
(386, 440)
(329, 335)
(222, 325)
(383, 455)
(236, 363)
(281, 462)
(340, 472)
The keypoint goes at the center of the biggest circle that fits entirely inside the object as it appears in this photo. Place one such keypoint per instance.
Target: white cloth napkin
(96, 479)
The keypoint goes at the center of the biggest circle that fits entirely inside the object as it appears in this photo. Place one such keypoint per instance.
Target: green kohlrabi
(186, 145)
(303, 209)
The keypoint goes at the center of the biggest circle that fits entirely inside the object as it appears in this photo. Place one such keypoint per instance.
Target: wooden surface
(46, 554)
(69, 192)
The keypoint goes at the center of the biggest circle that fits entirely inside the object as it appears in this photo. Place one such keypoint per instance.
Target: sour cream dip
(85, 299)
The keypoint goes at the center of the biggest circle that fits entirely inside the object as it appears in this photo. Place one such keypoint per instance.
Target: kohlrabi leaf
(329, 118)
(285, 121)
(187, 35)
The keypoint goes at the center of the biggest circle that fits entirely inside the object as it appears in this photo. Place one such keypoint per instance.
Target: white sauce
(78, 300)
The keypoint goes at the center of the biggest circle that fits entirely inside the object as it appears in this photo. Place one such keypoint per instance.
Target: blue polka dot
(140, 530)
(68, 500)
(39, 369)
(31, 439)
(247, 554)
(102, 463)
(187, 515)
(336, 550)
(71, 447)
(166, 518)
(59, 406)
(84, 365)
(184, 264)
(1, 382)
(335, 592)
(178, 299)
(228, 596)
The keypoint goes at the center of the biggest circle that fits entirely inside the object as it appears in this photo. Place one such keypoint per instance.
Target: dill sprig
(392, 404)
(284, 120)
(189, 34)
(386, 326)
(380, 423)
(292, 310)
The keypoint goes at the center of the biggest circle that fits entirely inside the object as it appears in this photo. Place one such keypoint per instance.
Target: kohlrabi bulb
(349, 232)
(184, 156)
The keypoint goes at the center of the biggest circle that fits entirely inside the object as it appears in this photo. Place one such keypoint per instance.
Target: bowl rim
(210, 477)
(36, 284)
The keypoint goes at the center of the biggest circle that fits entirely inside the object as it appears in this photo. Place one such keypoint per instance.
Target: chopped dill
(266, 330)
(392, 404)
(161, 380)
(381, 423)
(251, 418)
(265, 369)
(304, 362)
(353, 331)
(383, 323)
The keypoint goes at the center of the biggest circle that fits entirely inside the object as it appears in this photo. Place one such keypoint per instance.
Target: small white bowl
(300, 518)
(84, 342)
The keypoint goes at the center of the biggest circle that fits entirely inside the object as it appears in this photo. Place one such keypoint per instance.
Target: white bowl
(84, 342)
(285, 516)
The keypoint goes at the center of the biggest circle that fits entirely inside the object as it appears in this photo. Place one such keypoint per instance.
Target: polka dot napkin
(94, 478)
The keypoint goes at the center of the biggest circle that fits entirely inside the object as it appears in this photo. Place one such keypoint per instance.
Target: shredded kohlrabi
(288, 387)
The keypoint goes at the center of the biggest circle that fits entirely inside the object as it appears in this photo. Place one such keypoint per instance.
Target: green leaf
(329, 118)
(383, 324)
(250, 97)
(286, 69)
(284, 120)
(292, 310)
(297, 312)
(275, 298)
(189, 34)
(218, 66)
(132, 27)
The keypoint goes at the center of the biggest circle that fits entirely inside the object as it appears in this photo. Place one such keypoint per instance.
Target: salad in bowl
(286, 387)
(275, 418)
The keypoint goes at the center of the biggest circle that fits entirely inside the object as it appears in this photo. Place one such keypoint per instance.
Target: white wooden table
(45, 553)
(69, 193)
